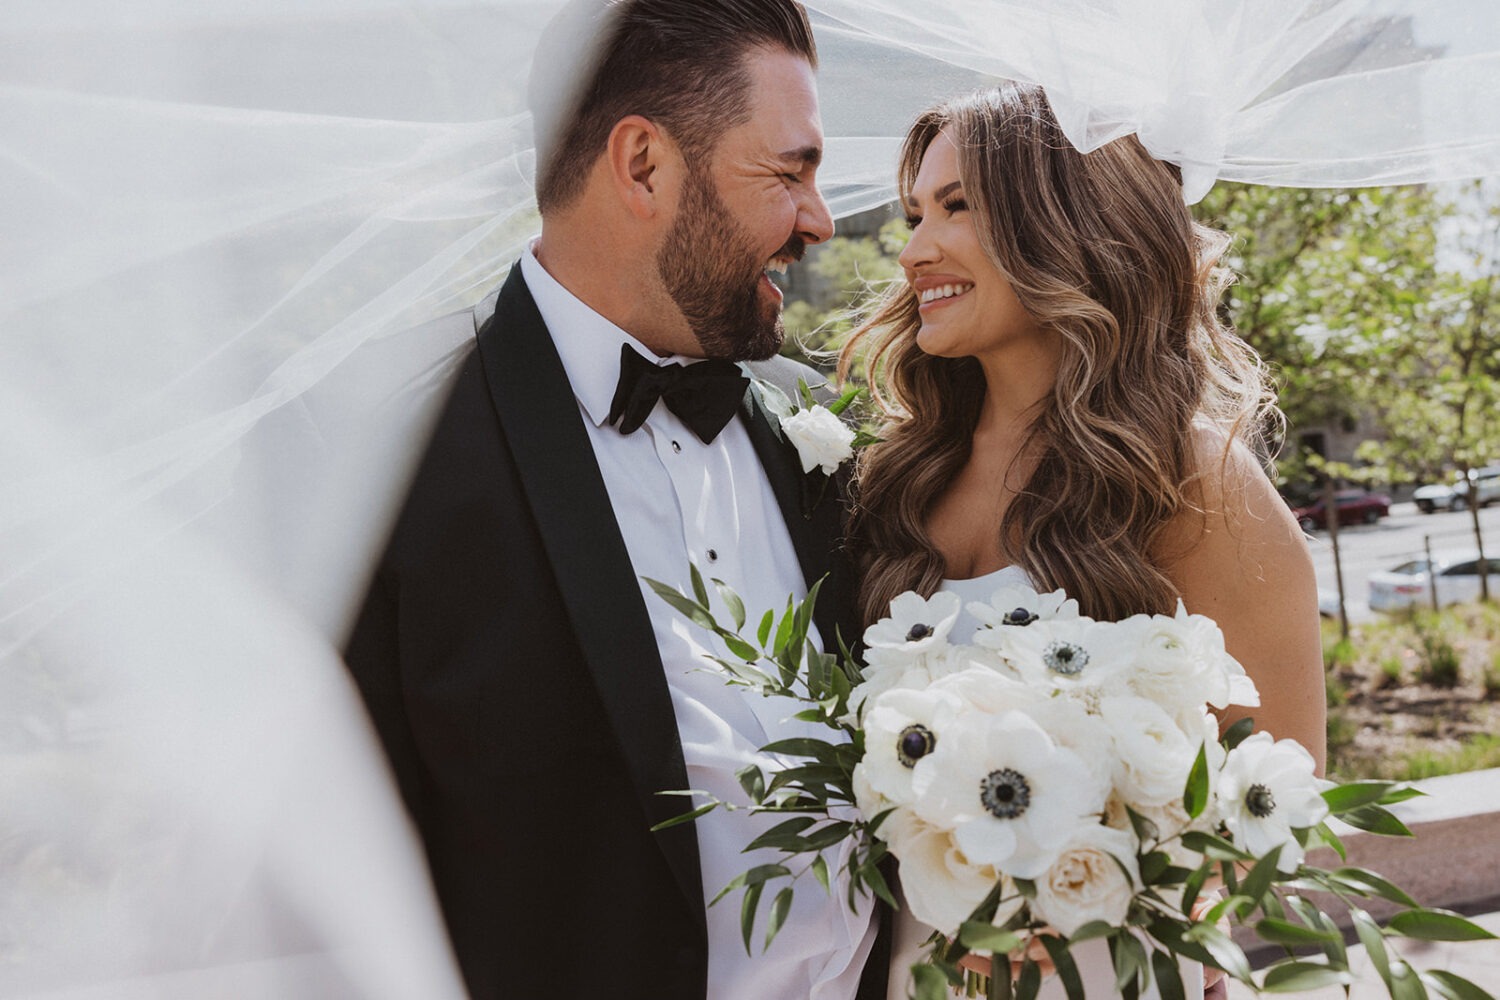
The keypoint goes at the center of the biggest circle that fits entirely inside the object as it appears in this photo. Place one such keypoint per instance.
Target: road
(1387, 543)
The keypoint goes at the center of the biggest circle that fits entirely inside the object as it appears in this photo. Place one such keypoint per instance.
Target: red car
(1353, 506)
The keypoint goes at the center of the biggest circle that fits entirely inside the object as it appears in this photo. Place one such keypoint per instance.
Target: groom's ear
(642, 162)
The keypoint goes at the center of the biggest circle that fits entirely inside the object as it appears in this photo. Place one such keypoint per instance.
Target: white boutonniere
(822, 439)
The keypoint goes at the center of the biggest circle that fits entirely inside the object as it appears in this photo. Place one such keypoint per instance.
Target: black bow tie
(704, 395)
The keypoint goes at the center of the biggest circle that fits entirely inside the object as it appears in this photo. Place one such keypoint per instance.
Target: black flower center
(1260, 801)
(1020, 616)
(1005, 793)
(918, 632)
(1065, 658)
(914, 743)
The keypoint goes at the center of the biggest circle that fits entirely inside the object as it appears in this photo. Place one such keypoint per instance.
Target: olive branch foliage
(816, 793)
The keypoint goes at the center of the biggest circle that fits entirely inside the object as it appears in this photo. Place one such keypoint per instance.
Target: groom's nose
(814, 218)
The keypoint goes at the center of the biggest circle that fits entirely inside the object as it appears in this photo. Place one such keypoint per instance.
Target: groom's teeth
(779, 266)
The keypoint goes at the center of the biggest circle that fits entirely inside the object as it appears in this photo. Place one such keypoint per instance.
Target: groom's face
(752, 206)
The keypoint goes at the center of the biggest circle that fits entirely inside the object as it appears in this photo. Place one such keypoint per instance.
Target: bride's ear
(642, 164)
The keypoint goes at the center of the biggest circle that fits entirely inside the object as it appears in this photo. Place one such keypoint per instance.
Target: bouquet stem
(999, 984)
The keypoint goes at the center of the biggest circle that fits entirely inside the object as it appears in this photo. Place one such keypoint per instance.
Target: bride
(1063, 406)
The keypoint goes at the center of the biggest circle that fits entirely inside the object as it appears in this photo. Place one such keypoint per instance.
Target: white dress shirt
(677, 501)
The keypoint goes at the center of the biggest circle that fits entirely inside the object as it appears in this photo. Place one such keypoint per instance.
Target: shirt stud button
(713, 556)
(676, 446)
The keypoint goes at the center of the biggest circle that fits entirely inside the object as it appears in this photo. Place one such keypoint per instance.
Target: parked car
(1353, 506)
(1455, 496)
(1405, 586)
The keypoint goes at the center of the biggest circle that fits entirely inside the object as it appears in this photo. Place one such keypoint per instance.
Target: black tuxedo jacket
(507, 659)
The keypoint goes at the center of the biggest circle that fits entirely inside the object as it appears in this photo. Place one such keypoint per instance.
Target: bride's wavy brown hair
(1102, 252)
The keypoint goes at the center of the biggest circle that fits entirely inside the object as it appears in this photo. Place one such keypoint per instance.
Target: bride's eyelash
(956, 205)
(913, 221)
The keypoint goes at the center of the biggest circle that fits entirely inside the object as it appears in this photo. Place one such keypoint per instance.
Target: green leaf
(801, 746)
(783, 835)
(1326, 834)
(1193, 888)
(1290, 934)
(806, 394)
(1297, 976)
(699, 590)
(1401, 793)
(1026, 887)
(841, 404)
(1235, 734)
(820, 872)
(1405, 984)
(1227, 955)
(684, 605)
(1214, 847)
(1129, 957)
(1454, 987)
(1259, 880)
(1168, 977)
(1369, 883)
(764, 632)
(732, 602)
(780, 907)
(1343, 798)
(1067, 969)
(753, 781)
(880, 888)
(1152, 865)
(1313, 917)
(758, 875)
(1195, 795)
(978, 936)
(827, 836)
(1437, 925)
(1374, 942)
(930, 983)
(1374, 819)
(748, 906)
(1089, 931)
(1029, 982)
(739, 647)
(686, 817)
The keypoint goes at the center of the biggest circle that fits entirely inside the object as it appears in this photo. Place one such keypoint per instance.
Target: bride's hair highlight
(1102, 252)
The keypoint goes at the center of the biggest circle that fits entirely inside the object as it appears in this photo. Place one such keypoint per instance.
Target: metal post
(1431, 574)
(1331, 518)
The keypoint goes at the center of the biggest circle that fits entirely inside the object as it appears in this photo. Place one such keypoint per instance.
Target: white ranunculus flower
(983, 684)
(916, 627)
(822, 440)
(941, 886)
(1018, 606)
(1152, 755)
(1266, 790)
(1183, 663)
(894, 672)
(1005, 788)
(1094, 878)
(901, 728)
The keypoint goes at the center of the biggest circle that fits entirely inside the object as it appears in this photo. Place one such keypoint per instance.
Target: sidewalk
(1454, 864)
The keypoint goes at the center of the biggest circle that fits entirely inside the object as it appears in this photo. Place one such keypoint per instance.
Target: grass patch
(1478, 752)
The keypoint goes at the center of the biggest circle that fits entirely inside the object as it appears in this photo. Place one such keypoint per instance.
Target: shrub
(1390, 673)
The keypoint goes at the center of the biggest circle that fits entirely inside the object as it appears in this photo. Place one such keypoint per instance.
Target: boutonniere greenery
(823, 440)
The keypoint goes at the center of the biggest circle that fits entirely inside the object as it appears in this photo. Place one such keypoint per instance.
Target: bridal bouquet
(1057, 780)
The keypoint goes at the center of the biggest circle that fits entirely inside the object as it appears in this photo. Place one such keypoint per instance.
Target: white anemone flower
(1018, 606)
(902, 728)
(1076, 656)
(1005, 787)
(1266, 790)
(1095, 877)
(1152, 755)
(917, 626)
(940, 884)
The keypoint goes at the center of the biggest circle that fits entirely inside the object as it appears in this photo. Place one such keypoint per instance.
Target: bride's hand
(1034, 950)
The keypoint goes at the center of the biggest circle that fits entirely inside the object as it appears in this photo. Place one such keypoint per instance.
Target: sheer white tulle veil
(228, 229)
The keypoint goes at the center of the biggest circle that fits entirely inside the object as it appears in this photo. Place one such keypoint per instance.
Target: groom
(533, 698)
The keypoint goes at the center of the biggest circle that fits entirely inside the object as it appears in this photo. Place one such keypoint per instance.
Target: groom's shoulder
(784, 373)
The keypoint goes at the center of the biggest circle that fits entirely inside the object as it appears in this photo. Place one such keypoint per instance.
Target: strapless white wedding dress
(1092, 957)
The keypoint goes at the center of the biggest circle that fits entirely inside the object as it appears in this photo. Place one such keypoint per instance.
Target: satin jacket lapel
(814, 518)
(542, 424)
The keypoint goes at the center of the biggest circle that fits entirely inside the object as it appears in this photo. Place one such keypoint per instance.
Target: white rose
(1183, 663)
(1094, 878)
(940, 884)
(821, 438)
(1266, 790)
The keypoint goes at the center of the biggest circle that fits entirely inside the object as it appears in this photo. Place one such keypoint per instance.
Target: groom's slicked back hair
(679, 63)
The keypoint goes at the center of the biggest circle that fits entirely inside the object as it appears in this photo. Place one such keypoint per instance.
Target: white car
(1430, 499)
(1407, 585)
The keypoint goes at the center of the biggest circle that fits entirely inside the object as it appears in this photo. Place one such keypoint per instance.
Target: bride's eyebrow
(938, 195)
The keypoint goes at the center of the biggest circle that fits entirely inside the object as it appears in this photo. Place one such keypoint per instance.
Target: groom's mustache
(793, 249)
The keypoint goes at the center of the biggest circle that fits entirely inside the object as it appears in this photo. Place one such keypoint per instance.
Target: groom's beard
(710, 268)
